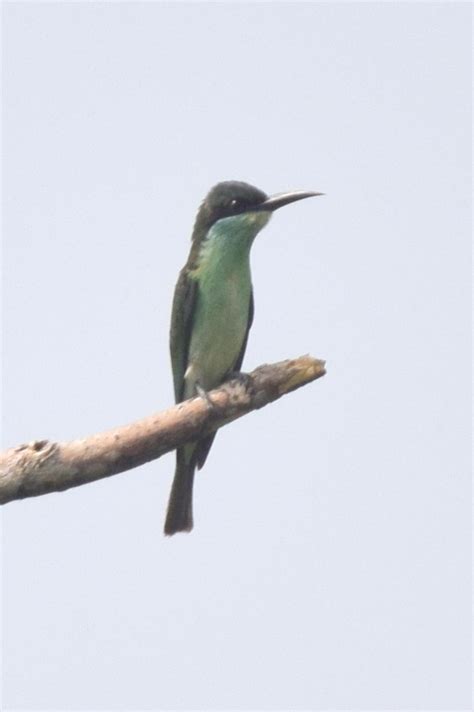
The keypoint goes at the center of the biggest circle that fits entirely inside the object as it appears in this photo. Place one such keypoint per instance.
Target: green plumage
(212, 314)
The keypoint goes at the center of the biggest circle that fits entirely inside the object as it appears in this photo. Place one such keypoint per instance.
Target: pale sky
(329, 567)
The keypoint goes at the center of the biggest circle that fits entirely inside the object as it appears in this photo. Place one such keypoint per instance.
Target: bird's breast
(220, 322)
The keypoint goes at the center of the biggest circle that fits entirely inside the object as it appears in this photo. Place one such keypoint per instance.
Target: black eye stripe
(238, 206)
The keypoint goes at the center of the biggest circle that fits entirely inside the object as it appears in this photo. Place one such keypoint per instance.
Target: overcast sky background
(329, 567)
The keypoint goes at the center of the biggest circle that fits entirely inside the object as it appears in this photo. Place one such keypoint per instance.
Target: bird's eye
(234, 203)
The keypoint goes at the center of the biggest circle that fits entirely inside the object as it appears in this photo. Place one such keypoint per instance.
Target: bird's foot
(205, 396)
(244, 379)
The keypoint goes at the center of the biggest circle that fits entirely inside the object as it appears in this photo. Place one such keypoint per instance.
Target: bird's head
(241, 205)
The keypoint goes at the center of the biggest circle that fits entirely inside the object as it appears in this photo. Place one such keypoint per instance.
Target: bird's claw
(205, 396)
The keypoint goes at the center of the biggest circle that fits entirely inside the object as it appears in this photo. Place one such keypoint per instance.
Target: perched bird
(213, 312)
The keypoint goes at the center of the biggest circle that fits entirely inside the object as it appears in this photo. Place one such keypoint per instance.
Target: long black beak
(278, 201)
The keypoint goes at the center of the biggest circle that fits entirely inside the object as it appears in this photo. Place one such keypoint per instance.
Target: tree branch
(42, 466)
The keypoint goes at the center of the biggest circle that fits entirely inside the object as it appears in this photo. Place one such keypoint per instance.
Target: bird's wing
(184, 303)
(241, 355)
(204, 445)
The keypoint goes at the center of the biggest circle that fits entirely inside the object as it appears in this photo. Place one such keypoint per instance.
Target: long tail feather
(179, 517)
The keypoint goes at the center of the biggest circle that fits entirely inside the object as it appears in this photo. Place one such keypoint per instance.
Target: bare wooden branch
(42, 466)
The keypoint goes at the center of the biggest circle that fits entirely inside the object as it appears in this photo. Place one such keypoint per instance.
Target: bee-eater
(213, 312)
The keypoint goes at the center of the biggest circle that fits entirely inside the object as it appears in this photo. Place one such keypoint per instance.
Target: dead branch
(42, 466)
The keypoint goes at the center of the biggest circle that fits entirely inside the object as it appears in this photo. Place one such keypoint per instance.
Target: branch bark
(41, 467)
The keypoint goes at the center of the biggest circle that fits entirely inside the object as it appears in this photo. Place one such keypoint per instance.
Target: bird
(212, 313)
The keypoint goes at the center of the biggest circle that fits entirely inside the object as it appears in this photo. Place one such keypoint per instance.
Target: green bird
(213, 312)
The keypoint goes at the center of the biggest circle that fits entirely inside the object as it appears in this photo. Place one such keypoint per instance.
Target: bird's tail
(179, 517)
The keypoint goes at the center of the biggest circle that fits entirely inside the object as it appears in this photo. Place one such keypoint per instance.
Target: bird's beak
(278, 201)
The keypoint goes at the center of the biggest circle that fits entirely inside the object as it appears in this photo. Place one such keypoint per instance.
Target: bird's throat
(228, 242)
